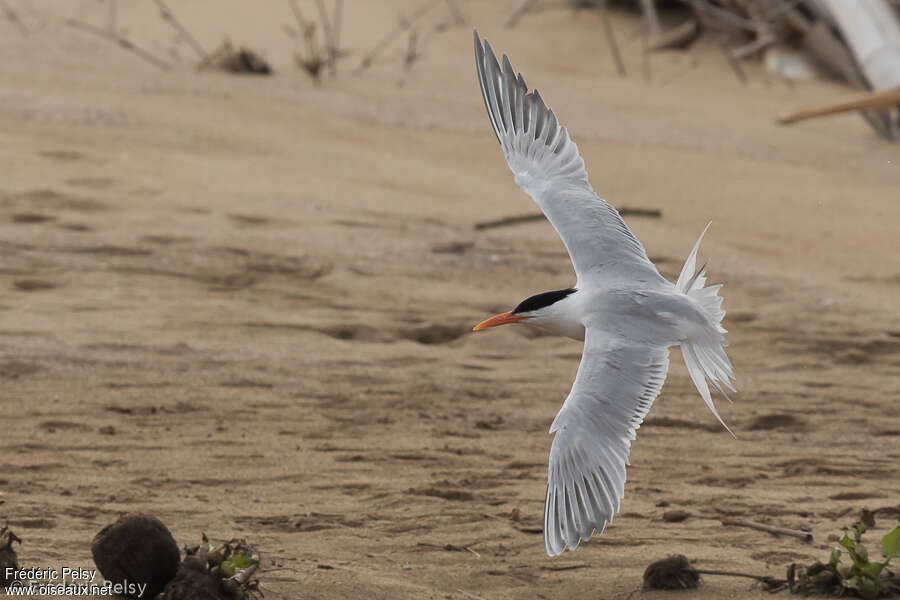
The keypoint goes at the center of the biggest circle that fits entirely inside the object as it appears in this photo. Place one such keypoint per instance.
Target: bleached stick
(886, 99)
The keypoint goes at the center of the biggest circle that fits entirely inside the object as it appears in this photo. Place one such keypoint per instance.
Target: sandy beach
(244, 304)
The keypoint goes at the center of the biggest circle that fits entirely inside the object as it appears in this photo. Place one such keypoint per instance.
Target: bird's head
(542, 309)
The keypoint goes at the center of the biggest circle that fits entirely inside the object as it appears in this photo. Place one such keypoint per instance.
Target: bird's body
(650, 314)
(626, 312)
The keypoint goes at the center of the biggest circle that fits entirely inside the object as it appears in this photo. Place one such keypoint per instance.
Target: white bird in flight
(626, 312)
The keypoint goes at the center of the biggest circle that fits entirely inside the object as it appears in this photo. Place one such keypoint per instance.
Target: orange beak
(501, 319)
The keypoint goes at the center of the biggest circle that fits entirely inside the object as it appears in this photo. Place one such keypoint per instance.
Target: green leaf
(847, 543)
(242, 560)
(872, 569)
(835, 559)
(890, 543)
(227, 568)
(868, 588)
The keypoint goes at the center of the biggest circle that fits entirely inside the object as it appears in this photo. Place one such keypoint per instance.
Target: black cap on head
(541, 301)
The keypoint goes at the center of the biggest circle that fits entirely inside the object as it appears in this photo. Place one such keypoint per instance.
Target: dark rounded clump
(194, 582)
(8, 557)
(672, 573)
(676, 516)
(137, 549)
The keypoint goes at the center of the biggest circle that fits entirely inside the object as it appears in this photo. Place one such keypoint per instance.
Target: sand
(243, 304)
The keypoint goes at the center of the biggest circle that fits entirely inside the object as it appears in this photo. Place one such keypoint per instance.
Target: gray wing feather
(547, 166)
(617, 382)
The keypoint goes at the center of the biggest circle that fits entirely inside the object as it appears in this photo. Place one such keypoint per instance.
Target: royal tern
(626, 312)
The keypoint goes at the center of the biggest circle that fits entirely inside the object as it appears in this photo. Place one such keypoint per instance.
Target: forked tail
(705, 355)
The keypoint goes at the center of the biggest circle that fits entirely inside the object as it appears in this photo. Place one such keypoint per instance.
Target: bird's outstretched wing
(617, 382)
(546, 164)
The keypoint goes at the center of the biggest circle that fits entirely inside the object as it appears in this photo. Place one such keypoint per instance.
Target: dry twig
(519, 12)
(451, 547)
(169, 18)
(121, 41)
(803, 535)
(313, 61)
(735, 67)
(649, 9)
(457, 15)
(336, 37)
(770, 584)
(328, 32)
(566, 567)
(611, 40)
(404, 24)
(13, 18)
(111, 16)
(412, 52)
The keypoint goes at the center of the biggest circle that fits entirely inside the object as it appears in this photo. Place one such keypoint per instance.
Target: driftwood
(872, 32)
(820, 39)
(857, 40)
(888, 99)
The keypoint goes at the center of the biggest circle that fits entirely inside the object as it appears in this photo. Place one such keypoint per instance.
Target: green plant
(223, 572)
(867, 577)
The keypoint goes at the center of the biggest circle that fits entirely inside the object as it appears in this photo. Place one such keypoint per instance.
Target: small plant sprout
(860, 575)
(864, 575)
(221, 572)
